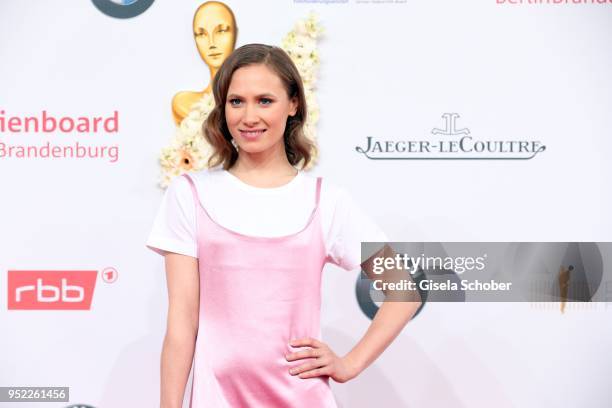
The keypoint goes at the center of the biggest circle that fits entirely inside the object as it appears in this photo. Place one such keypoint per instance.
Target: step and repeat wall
(471, 120)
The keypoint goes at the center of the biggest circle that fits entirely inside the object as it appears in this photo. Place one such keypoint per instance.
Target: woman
(245, 243)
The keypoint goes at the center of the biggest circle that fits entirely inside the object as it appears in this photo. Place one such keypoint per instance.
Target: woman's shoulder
(180, 184)
(205, 177)
(331, 191)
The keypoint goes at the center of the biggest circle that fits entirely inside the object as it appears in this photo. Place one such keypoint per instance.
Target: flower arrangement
(190, 151)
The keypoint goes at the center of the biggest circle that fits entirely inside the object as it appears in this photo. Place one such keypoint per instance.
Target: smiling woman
(245, 246)
(251, 111)
(259, 104)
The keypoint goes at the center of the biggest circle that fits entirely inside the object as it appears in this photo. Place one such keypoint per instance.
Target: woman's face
(214, 30)
(257, 107)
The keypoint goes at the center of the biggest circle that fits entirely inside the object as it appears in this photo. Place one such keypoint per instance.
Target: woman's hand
(326, 362)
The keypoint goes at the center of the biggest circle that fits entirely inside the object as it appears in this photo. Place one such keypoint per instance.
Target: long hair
(215, 129)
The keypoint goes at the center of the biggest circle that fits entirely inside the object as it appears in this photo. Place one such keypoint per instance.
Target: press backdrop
(392, 71)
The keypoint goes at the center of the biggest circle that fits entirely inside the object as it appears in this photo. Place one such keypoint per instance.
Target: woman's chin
(251, 147)
(258, 146)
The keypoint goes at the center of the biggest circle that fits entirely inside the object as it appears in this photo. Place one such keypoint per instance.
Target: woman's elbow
(182, 327)
(181, 335)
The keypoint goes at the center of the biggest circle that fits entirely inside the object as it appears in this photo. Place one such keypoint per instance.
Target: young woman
(245, 243)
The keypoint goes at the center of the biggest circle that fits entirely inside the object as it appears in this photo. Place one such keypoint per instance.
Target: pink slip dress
(257, 294)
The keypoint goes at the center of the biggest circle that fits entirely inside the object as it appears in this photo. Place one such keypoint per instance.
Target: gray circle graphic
(122, 9)
(363, 286)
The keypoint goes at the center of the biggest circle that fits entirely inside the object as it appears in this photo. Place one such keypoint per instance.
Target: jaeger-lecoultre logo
(456, 144)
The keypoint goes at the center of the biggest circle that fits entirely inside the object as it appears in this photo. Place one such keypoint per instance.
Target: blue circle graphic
(122, 8)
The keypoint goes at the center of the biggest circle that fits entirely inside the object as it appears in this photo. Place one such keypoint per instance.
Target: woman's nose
(250, 115)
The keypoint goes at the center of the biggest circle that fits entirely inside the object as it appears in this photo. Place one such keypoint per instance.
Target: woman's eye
(234, 102)
(265, 101)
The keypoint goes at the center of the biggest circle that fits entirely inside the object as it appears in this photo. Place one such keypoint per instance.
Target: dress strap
(196, 198)
(318, 191)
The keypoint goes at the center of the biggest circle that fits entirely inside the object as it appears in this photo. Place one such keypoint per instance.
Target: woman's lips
(251, 134)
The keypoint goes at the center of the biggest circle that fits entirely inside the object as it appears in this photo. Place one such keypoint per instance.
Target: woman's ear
(293, 105)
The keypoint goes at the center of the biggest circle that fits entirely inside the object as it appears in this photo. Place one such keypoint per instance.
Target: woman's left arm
(385, 327)
(388, 322)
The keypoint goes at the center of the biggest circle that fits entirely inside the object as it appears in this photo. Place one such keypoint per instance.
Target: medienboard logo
(50, 290)
(122, 8)
(454, 143)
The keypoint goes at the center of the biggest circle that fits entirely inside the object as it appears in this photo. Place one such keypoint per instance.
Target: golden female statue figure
(215, 32)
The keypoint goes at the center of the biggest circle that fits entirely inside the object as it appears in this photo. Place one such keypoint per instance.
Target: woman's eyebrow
(263, 95)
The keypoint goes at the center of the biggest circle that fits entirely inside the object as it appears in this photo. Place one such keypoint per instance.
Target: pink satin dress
(257, 294)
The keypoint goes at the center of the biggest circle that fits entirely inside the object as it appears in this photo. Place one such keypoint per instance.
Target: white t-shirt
(262, 212)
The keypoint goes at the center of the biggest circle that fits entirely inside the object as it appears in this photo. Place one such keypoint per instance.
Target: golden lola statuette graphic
(215, 32)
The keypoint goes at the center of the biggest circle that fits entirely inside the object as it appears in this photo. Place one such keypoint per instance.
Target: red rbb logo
(50, 290)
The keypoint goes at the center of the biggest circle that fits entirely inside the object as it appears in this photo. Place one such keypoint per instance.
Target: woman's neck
(263, 169)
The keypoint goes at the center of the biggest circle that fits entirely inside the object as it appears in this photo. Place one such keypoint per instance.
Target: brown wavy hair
(214, 128)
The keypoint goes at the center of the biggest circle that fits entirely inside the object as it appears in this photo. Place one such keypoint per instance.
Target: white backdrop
(512, 72)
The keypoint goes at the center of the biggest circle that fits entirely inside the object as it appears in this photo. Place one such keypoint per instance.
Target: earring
(234, 143)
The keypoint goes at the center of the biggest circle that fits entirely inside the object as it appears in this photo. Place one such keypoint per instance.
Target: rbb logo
(50, 290)
(54, 294)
